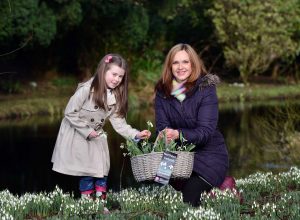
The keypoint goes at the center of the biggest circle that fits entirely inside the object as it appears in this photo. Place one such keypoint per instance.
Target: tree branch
(24, 44)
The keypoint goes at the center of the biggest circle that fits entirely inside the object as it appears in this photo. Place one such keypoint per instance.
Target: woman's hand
(143, 134)
(171, 134)
(93, 134)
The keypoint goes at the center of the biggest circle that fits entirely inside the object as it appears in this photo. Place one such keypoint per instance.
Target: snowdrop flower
(104, 134)
(149, 123)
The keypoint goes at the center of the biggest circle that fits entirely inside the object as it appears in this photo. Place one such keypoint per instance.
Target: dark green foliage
(63, 81)
(73, 35)
(27, 19)
(254, 34)
(10, 86)
(39, 20)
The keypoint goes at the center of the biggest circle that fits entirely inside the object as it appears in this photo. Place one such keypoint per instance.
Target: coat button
(75, 110)
(102, 120)
(96, 107)
(92, 119)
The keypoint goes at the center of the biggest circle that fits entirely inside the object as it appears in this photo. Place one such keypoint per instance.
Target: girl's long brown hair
(99, 87)
(164, 84)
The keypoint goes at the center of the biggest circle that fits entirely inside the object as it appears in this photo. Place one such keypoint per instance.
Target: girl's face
(114, 76)
(181, 66)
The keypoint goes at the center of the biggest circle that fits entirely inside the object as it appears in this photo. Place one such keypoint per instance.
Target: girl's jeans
(88, 184)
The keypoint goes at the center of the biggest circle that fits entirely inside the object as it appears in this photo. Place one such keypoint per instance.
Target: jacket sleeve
(161, 119)
(72, 111)
(207, 118)
(120, 125)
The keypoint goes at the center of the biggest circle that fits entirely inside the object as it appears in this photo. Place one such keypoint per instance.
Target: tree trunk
(275, 71)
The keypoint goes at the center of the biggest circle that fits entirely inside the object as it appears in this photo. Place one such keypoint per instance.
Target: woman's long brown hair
(99, 87)
(164, 84)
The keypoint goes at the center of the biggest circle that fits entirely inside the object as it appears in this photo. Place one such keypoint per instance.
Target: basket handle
(155, 143)
(156, 140)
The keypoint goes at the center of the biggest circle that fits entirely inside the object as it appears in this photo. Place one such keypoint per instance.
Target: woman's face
(181, 66)
(114, 76)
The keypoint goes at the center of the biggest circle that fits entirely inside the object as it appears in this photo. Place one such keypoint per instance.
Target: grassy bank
(46, 98)
(265, 196)
(51, 98)
(257, 92)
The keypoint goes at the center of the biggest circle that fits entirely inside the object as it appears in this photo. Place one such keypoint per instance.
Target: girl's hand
(171, 134)
(93, 134)
(143, 134)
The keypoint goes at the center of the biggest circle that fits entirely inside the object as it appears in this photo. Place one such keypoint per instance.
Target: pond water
(27, 145)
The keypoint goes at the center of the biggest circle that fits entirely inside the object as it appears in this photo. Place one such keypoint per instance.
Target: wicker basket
(145, 166)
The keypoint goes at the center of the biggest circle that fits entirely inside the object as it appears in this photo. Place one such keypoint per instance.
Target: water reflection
(246, 138)
(27, 146)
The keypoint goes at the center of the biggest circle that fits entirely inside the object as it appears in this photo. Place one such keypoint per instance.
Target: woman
(186, 102)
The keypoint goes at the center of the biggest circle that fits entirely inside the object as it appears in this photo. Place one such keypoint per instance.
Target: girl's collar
(111, 99)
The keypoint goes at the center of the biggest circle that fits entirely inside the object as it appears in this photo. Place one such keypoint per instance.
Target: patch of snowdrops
(266, 196)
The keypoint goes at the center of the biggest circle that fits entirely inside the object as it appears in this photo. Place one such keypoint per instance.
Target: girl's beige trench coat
(75, 154)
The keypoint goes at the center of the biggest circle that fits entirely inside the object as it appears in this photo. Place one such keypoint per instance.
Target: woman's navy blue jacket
(197, 118)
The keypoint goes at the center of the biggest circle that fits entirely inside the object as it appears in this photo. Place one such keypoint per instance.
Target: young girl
(81, 147)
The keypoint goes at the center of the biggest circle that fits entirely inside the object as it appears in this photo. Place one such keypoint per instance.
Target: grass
(51, 97)
(265, 196)
(256, 92)
(23, 108)
(46, 98)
